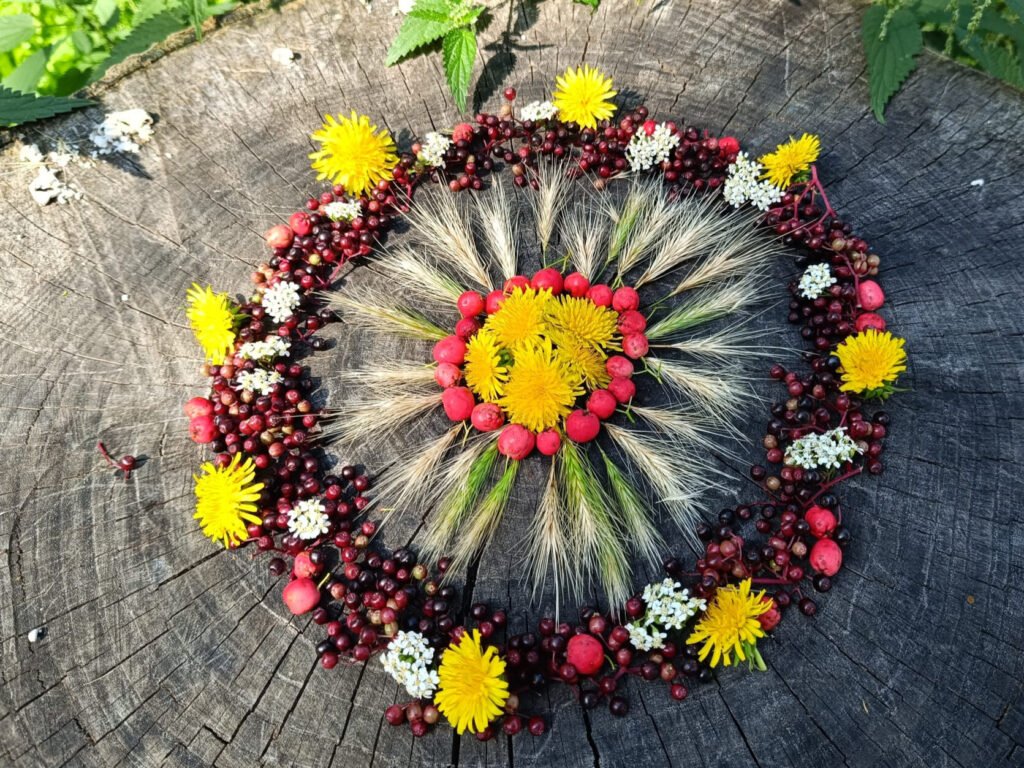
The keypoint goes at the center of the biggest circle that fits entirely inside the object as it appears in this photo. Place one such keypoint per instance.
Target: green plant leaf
(154, 30)
(26, 75)
(426, 23)
(890, 58)
(104, 10)
(459, 51)
(998, 61)
(15, 30)
(17, 108)
(592, 3)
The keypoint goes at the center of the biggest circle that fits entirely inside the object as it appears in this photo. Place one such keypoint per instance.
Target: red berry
(548, 279)
(519, 281)
(494, 301)
(649, 127)
(821, 521)
(450, 349)
(771, 618)
(394, 714)
(467, 327)
(826, 557)
(586, 653)
(600, 294)
(470, 304)
(728, 145)
(635, 345)
(304, 567)
(632, 321)
(301, 596)
(625, 298)
(447, 374)
(510, 94)
(619, 367)
(198, 406)
(870, 295)
(462, 132)
(487, 417)
(576, 284)
(300, 223)
(536, 726)
(516, 442)
(867, 320)
(202, 430)
(582, 427)
(548, 442)
(623, 389)
(602, 404)
(279, 236)
(458, 403)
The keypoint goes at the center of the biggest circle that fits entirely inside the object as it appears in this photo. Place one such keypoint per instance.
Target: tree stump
(162, 650)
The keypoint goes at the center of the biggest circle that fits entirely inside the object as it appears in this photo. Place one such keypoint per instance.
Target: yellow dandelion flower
(213, 317)
(484, 371)
(581, 319)
(541, 388)
(870, 362)
(225, 499)
(583, 96)
(730, 623)
(471, 691)
(353, 153)
(521, 320)
(583, 360)
(790, 160)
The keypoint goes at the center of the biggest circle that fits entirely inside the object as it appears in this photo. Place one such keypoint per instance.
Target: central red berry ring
(599, 368)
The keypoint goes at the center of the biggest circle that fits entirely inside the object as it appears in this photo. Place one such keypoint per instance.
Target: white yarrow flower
(645, 151)
(407, 660)
(669, 606)
(432, 149)
(123, 131)
(815, 280)
(743, 184)
(259, 381)
(280, 300)
(536, 111)
(343, 210)
(828, 450)
(308, 519)
(268, 349)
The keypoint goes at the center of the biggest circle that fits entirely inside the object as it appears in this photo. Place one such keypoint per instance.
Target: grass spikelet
(496, 225)
(409, 484)
(703, 308)
(375, 312)
(548, 542)
(716, 393)
(703, 437)
(417, 276)
(725, 345)
(656, 217)
(387, 376)
(442, 228)
(596, 540)
(547, 201)
(465, 478)
(484, 521)
(375, 419)
(632, 508)
(624, 220)
(584, 232)
(747, 253)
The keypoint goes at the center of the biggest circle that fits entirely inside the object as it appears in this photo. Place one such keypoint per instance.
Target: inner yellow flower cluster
(538, 353)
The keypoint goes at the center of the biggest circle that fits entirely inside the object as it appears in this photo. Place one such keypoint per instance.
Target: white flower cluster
(259, 381)
(308, 519)
(668, 607)
(828, 450)
(343, 210)
(123, 131)
(432, 149)
(408, 659)
(538, 110)
(644, 152)
(280, 300)
(815, 280)
(271, 347)
(744, 184)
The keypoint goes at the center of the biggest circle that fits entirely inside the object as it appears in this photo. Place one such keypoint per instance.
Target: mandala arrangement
(617, 365)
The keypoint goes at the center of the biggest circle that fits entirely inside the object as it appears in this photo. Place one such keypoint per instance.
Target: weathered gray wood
(162, 651)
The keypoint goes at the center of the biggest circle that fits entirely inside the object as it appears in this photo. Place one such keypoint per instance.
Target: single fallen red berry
(821, 521)
(301, 596)
(867, 320)
(279, 236)
(198, 406)
(202, 430)
(304, 567)
(826, 557)
(585, 653)
(870, 295)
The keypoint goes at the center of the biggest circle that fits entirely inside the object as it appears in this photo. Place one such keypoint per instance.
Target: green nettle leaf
(26, 75)
(104, 10)
(890, 58)
(17, 108)
(154, 30)
(998, 61)
(422, 26)
(15, 30)
(459, 51)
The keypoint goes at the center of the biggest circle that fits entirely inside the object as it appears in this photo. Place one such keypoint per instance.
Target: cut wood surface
(163, 650)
